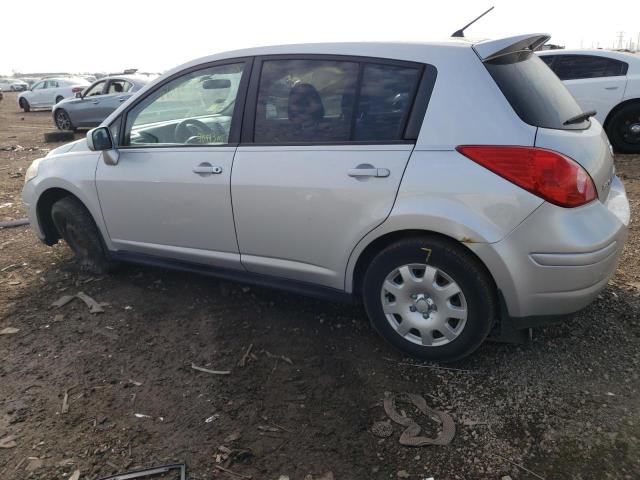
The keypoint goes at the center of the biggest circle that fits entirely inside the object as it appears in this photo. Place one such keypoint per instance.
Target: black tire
(477, 287)
(24, 105)
(76, 226)
(59, 99)
(59, 136)
(63, 121)
(621, 127)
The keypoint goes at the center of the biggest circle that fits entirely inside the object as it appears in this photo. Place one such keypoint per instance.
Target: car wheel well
(43, 210)
(382, 242)
(615, 109)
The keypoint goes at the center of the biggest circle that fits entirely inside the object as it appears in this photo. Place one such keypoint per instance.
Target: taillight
(545, 173)
(76, 89)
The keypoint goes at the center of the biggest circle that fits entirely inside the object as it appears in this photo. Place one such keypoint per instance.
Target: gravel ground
(565, 406)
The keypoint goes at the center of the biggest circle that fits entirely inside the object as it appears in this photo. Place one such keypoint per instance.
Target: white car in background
(606, 82)
(49, 91)
(12, 85)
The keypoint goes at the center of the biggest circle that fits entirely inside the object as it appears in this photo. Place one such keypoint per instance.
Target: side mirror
(99, 140)
(78, 94)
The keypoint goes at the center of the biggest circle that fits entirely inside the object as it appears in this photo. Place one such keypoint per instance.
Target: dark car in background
(97, 101)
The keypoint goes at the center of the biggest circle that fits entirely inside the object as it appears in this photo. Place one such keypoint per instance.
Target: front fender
(74, 172)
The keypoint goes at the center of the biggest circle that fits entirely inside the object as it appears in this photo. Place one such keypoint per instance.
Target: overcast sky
(102, 36)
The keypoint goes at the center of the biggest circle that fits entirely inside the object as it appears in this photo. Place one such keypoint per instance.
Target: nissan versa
(457, 188)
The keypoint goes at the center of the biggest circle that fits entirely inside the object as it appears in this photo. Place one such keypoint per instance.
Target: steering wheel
(218, 135)
(189, 128)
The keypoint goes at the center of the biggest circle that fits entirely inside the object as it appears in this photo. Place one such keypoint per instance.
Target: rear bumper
(558, 260)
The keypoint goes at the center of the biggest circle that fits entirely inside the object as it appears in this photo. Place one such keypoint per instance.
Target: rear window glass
(534, 91)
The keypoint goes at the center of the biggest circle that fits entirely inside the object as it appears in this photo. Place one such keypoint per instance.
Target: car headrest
(305, 104)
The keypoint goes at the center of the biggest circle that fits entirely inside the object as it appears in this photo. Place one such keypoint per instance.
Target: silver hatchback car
(456, 188)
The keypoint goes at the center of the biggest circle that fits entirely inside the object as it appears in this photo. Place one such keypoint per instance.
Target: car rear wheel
(76, 226)
(59, 98)
(430, 298)
(624, 129)
(24, 105)
(63, 121)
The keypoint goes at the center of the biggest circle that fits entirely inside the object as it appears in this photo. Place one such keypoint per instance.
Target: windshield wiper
(580, 118)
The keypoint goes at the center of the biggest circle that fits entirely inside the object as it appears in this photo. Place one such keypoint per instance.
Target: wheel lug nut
(412, 308)
(425, 316)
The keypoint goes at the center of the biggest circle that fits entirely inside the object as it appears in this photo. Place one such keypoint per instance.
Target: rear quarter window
(535, 93)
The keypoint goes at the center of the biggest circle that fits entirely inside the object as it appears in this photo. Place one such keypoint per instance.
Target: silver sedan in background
(97, 101)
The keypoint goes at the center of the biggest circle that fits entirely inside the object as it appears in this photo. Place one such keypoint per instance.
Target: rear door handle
(207, 168)
(96, 102)
(610, 88)
(122, 99)
(367, 170)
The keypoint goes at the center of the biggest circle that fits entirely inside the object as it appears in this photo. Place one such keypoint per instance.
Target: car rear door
(169, 194)
(325, 144)
(596, 82)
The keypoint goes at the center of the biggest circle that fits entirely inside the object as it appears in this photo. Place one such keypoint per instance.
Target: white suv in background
(455, 188)
(607, 82)
(49, 91)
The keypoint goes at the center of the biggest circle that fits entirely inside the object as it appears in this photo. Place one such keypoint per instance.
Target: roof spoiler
(490, 49)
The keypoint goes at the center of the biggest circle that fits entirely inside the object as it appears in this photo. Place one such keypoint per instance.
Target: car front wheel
(430, 298)
(75, 225)
(63, 121)
(24, 105)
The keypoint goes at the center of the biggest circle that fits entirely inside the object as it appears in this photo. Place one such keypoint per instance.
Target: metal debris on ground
(278, 357)
(214, 372)
(65, 402)
(75, 475)
(8, 442)
(410, 436)
(151, 472)
(94, 307)
(245, 357)
(231, 472)
(14, 223)
(9, 331)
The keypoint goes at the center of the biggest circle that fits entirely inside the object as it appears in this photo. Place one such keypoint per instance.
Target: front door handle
(610, 88)
(122, 99)
(366, 170)
(96, 102)
(207, 168)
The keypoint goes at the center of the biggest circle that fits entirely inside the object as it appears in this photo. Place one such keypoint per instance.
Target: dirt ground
(565, 406)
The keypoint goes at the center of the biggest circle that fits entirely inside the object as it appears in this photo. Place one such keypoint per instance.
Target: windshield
(534, 91)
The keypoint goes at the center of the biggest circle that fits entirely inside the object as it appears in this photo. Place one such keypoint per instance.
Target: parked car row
(455, 188)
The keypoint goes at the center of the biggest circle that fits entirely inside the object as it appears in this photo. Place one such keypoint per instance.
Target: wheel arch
(43, 211)
(379, 243)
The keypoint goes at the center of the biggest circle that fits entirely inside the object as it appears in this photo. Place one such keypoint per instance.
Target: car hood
(77, 146)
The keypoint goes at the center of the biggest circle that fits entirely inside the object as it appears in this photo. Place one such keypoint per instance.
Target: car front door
(322, 155)
(169, 194)
(596, 82)
(35, 98)
(116, 92)
(84, 109)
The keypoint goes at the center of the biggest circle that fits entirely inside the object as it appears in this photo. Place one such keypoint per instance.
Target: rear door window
(305, 101)
(535, 93)
(333, 101)
(573, 67)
